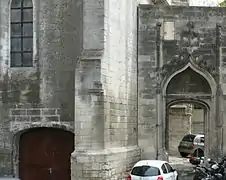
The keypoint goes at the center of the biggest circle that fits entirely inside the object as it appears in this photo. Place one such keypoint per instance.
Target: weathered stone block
(20, 118)
(49, 112)
(18, 112)
(50, 118)
(33, 112)
(35, 118)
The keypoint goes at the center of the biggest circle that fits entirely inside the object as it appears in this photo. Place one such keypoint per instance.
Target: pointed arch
(201, 72)
(21, 33)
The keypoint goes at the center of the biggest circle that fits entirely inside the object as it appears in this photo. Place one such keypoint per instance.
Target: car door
(170, 171)
(166, 175)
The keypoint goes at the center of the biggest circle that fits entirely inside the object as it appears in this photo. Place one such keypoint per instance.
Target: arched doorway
(44, 153)
(186, 117)
(191, 86)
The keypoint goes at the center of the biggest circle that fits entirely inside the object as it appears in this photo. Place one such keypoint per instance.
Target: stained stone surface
(101, 74)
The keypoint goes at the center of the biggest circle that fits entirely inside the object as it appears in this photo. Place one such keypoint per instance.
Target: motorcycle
(215, 171)
(196, 160)
(201, 173)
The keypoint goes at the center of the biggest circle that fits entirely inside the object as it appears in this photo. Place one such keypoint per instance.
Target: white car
(153, 170)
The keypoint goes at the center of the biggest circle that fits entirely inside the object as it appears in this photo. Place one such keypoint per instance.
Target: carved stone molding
(190, 47)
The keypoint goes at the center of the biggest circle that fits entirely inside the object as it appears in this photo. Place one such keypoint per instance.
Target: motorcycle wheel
(198, 177)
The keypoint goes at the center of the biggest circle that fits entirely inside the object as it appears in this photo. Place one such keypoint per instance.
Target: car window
(202, 140)
(189, 138)
(164, 170)
(170, 169)
(145, 171)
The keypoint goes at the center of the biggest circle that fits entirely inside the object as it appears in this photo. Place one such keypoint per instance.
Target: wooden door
(45, 154)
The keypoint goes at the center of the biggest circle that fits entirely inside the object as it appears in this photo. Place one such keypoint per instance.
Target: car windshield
(189, 138)
(145, 171)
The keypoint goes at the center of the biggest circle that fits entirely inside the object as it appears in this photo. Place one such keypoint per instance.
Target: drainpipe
(137, 51)
(158, 90)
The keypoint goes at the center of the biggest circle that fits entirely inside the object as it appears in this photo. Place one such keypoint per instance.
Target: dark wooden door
(45, 154)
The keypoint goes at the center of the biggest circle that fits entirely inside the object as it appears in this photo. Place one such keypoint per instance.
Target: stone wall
(198, 121)
(59, 37)
(147, 84)
(119, 74)
(196, 39)
(120, 68)
(179, 125)
(49, 83)
(183, 119)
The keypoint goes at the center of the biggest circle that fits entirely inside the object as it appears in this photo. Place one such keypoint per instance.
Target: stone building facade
(104, 71)
(39, 44)
(189, 66)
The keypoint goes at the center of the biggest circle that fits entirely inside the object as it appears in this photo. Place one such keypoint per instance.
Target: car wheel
(183, 154)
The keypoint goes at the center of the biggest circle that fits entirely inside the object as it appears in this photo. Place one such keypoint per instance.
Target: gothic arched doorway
(190, 86)
(45, 154)
(186, 118)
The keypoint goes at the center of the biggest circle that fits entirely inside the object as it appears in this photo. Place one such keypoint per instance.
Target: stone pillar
(88, 158)
(4, 34)
(162, 153)
(189, 109)
(88, 89)
(102, 151)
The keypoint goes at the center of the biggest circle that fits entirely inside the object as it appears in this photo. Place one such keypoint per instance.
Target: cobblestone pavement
(178, 160)
(183, 167)
(186, 178)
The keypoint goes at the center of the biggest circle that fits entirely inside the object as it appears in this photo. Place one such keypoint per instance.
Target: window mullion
(22, 17)
(20, 35)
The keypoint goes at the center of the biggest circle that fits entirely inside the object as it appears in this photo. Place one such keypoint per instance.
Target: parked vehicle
(204, 173)
(201, 173)
(153, 170)
(192, 144)
(196, 160)
(214, 171)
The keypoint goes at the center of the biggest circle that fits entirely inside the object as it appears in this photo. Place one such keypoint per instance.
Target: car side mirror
(173, 169)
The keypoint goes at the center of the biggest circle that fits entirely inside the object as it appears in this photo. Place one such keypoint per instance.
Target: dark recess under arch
(188, 81)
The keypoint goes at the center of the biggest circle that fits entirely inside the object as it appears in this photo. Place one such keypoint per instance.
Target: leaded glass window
(21, 33)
